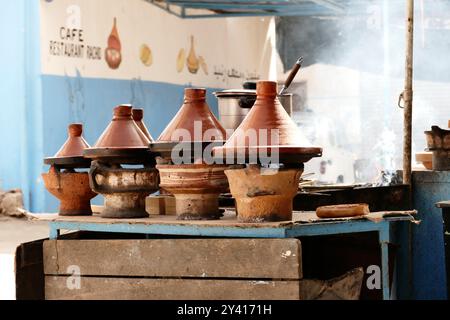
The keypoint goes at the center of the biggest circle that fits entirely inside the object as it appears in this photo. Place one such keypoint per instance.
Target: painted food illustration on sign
(180, 60)
(192, 60)
(113, 55)
(145, 54)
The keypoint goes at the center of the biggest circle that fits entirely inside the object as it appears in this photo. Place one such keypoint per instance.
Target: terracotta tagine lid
(138, 116)
(121, 139)
(283, 136)
(194, 109)
(71, 152)
(194, 125)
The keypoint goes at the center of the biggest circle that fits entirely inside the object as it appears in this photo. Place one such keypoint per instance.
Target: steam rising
(353, 75)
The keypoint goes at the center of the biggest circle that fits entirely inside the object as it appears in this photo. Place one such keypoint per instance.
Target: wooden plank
(29, 271)
(100, 288)
(160, 205)
(206, 258)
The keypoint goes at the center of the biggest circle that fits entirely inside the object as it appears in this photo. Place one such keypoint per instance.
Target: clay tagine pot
(122, 141)
(62, 181)
(266, 136)
(191, 176)
(124, 189)
(193, 129)
(267, 131)
(138, 116)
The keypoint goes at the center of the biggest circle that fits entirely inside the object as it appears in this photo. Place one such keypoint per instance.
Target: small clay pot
(72, 189)
(264, 195)
(196, 188)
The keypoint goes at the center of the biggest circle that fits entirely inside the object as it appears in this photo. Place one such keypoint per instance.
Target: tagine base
(264, 196)
(124, 206)
(197, 206)
(71, 189)
(67, 208)
(265, 209)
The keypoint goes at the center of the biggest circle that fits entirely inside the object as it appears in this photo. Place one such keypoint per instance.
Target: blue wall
(90, 101)
(20, 132)
(428, 257)
(37, 108)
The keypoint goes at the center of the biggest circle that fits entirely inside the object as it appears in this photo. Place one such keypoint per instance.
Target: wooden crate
(253, 269)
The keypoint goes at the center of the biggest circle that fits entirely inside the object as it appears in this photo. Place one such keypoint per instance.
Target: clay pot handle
(93, 171)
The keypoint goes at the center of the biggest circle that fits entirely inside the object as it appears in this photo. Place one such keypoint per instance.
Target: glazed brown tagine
(274, 150)
(186, 167)
(122, 170)
(69, 186)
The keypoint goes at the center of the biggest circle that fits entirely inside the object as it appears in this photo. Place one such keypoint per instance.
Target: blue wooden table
(304, 224)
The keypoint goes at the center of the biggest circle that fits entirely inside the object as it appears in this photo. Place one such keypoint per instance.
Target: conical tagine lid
(122, 138)
(75, 143)
(194, 121)
(268, 128)
(138, 117)
(71, 152)
(122, 132)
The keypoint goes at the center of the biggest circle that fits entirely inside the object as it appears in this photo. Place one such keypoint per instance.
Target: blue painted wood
(297, 230)
(164, 229)
(428, 258)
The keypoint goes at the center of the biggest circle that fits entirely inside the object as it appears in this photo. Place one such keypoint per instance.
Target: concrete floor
(13, 232)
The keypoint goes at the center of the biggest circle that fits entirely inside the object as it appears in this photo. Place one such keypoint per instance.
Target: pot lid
(122, 141)
(138, 116)
(71, 152)
(268, 128)
(194, 121)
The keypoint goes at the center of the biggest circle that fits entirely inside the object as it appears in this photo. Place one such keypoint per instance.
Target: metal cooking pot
(235, 104)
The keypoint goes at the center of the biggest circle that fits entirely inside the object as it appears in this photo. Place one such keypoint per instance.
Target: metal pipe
(408, 93)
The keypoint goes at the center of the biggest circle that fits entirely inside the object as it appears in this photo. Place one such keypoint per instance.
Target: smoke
(353, 75)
